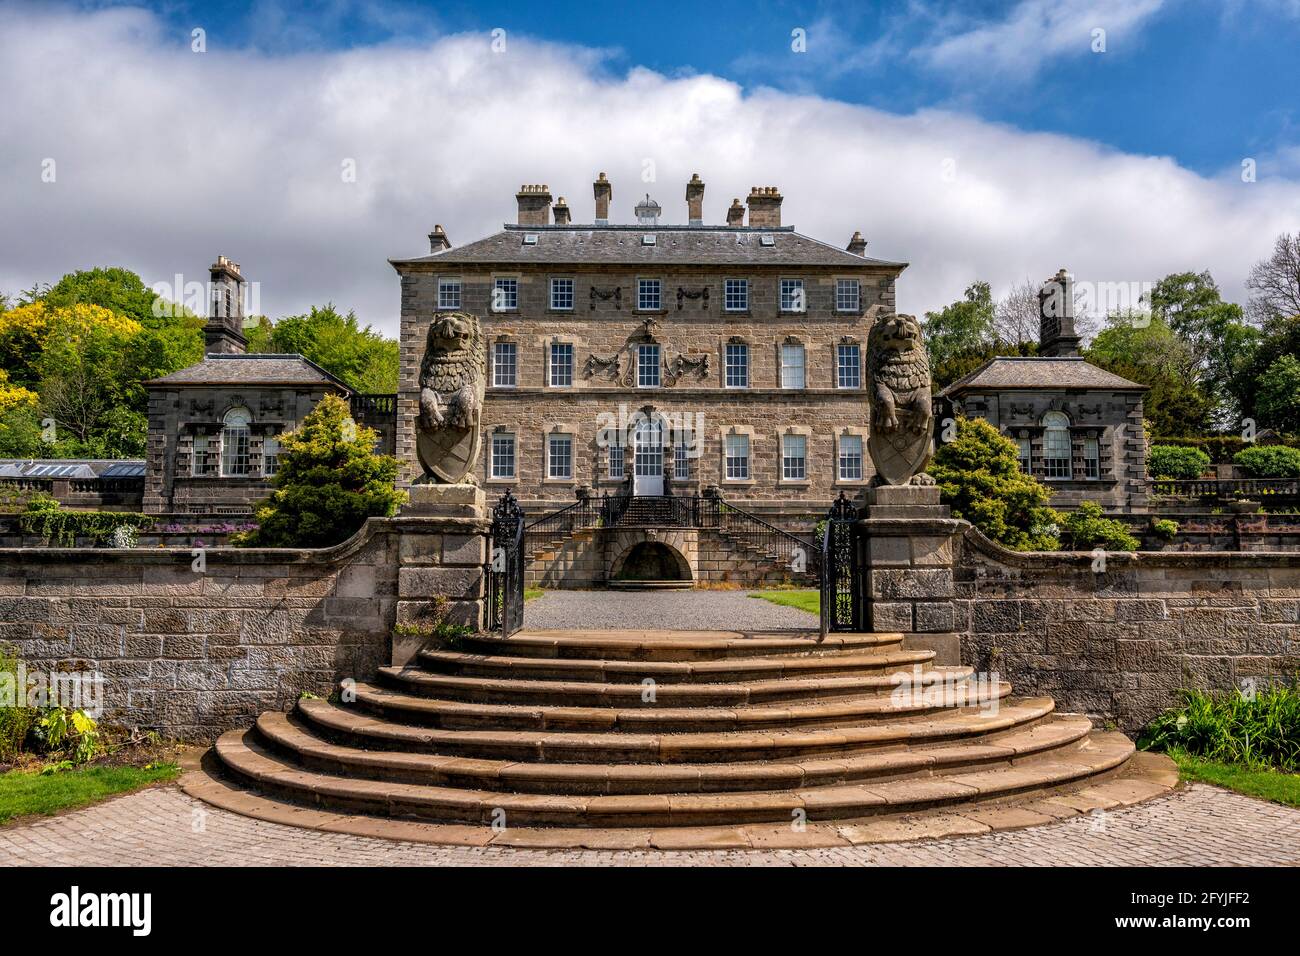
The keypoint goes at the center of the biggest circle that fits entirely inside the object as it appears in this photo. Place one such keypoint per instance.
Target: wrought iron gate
(505, 575)
(841, 600)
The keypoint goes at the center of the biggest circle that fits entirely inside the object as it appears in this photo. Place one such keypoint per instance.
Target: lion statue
(902, 441)
(452, 380)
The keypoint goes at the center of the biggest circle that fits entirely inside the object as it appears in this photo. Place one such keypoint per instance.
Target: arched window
(234, 442)
(1056, 445)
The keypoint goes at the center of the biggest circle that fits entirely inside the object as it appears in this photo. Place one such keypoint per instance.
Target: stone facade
(195, 648)
(579, 327)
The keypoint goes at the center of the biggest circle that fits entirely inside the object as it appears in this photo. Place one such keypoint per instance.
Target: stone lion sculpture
(452, 380)
(902, 440)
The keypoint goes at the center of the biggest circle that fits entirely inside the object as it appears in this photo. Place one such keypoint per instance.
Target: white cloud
(1034, 33)
(166, 158)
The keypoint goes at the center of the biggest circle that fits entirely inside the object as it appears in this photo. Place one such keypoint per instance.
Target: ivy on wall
(44, 518)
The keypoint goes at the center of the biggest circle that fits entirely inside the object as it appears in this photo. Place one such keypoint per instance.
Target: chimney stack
(736, 214)
(604, 193)
(695, 200)
(561, 210)
(438, 240)
(857, 245)
(764, 207)
(1056, 336)
(224, 332)
(534, 205)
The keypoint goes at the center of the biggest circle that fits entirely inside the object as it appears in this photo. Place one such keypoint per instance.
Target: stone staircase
(592, 738)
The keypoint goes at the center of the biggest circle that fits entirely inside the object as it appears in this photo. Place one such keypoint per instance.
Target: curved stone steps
(242, 754)
(294, 738)
(501, 690)
(356, 728)
(658, 645)
(449, 714)
(727, 670)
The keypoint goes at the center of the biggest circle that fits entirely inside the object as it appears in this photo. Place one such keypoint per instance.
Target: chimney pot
(765, 207)
(561, 210)
(736, 213)
(604, 192)
(695, 200)
(534, 205)
(438, 240)
(857, 245)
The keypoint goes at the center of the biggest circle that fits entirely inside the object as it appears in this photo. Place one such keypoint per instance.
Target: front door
(648, 458)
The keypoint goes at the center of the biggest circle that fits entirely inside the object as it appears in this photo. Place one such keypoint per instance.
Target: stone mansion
(642, 358)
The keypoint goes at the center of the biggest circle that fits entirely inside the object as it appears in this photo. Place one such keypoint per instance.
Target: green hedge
(1176, 461)
(1089, 528)
(1269, 461)
(1220, 448)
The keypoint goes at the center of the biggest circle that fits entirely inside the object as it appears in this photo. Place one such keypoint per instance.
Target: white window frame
(505, 294)
(846, 462)
(642, 366)
(1056, 429)
(512, 348)
(616, 453)
(728, 367)
(560, 373)
(201, 461)
(681, 461)
(841, 366)
(1092, 458)
(1025, 454)
(735, 290)
(552, 440)
(449, 292)
(644, 295)
(794, 467)
(236, 442)
(270, 455)
(794, 298)
(497, 457)
(736, 465)
(559, 295)
(794, 375)
(848, 295)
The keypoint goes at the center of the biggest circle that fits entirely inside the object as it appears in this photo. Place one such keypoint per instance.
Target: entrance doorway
(648, 458)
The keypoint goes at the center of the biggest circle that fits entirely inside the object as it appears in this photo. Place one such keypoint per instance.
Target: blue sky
(1208, 82)
(980, 141)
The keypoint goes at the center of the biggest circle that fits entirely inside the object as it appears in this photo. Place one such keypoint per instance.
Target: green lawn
(530, 593)
(1265, 784)
(805, 599)
(25, 793)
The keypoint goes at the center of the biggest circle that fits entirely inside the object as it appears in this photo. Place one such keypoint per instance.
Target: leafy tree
(1221, 342)
(116, 289)
(1089, 528)
(979, 476)
(330, 479)
(1177, 462)
(1144, 349)
(1269, 461)
(361, 357)
(958, 335)
(1277, 403)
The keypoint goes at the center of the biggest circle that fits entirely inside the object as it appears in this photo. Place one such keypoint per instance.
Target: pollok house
(633, 403)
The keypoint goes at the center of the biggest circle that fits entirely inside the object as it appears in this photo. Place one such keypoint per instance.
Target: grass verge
(805, 599)
(25, 793)
(1270, 785)
(530, 593)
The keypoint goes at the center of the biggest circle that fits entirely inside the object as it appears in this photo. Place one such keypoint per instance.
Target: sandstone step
(677, 672)
(452, 714)
(295, 738)
(356, 727)
(660, 645)
(243, 755)
(501, 690)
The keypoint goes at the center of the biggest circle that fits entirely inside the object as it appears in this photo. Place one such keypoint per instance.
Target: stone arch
(640, 555)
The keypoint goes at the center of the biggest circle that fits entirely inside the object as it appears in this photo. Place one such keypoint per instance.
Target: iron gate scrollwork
(841, 603)
(505, 575)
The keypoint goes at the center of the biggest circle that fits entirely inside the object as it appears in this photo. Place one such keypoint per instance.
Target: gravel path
(671, 610)
(1198, 826)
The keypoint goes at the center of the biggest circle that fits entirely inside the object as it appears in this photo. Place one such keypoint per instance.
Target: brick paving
(1197, 826)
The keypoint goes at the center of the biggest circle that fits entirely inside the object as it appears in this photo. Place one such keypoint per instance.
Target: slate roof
(255, 369)
(674, 245)
(1012, 372)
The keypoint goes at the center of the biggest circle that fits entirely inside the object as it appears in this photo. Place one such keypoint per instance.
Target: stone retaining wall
(1117, 641)
(195, 649)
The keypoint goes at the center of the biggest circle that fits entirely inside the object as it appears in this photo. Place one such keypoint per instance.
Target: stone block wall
(195, 649)
(1118, 640)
